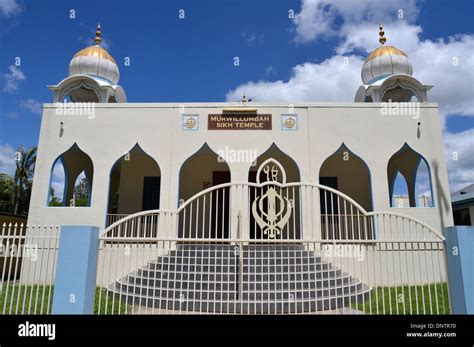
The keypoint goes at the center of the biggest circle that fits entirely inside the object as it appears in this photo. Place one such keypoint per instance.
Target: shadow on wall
(444, 203)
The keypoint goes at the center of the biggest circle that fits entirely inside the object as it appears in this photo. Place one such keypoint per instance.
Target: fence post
(76, 270)
(460, 260)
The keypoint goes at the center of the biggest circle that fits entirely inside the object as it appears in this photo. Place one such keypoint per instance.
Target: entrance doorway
(279, 198)
(204, 215)
(220, 206)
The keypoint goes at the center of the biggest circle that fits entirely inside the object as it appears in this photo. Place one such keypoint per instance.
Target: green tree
(7, 193)
(81, 193)
(25, 166)
(54, 201)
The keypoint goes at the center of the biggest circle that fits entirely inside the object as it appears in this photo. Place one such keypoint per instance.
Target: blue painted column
(76, 270)
(460, 259)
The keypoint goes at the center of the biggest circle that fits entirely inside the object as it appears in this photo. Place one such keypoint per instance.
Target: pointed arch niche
(415, 170)
(292, 229)
(349, 174)
(71, 179)
(200, 171)
(134, 184)
(290, 166)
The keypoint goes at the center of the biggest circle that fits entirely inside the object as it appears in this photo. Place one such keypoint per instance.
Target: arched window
(134, 184)
(71, 179)
(400, 192)
(423, 193)
(200, 171)
(81, 93)
(349, 174)
(400, 93)
(292, 229)
(291, 168)
(415, 170)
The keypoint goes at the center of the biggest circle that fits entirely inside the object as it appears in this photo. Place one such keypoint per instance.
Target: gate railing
(214, 255)
(27, 266)
(307, 211)
(300, 211)
(225, 276)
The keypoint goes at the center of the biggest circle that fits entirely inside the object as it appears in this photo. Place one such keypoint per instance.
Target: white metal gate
(271, 247)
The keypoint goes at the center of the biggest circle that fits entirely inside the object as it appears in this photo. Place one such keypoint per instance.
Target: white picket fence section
(28, 265)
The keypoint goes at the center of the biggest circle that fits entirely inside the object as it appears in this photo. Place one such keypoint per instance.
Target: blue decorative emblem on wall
(289, 122)
(190, 122)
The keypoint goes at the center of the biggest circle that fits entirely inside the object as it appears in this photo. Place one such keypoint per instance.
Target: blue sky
(171, 57)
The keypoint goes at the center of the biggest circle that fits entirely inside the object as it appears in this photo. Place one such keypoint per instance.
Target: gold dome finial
(382, 38)
(97, 38)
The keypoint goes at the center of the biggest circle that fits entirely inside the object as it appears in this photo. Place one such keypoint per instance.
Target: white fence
(305, 249)
(28, 265)
(153, 275)
(244, 248)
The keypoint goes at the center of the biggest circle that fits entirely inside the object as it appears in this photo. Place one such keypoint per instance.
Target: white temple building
(145, 156)
(205, 198)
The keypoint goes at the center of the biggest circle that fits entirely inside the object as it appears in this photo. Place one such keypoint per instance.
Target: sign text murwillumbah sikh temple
(239, 121)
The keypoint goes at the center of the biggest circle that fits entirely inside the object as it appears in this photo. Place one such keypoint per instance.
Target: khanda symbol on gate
(274, 217)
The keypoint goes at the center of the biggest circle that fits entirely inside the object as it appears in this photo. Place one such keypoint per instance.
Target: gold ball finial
(382, 38)
(97, 38)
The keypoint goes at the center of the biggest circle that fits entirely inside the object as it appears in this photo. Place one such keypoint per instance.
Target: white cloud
(269, 70)
(12, 79)
(434, 63)
(324, 19)
(364, 36)
(253, 38)
(446, 63)
(57, 181)
(9, 7)
(32, 105)
(459, 149)
(7, 159)
(334, 79)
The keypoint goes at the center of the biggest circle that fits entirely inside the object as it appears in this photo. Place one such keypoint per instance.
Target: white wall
(323, 127)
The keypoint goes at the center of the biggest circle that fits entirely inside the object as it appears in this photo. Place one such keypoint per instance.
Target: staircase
(282, 278)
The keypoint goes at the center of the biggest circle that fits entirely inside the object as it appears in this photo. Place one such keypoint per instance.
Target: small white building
(463, 206)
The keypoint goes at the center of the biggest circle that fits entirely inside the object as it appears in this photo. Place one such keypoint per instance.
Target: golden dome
(95, 51)
(385, 61)
(95, 61)
(385, 50)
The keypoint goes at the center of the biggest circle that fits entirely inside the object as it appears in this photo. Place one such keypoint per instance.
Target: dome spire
(97, 38)
(382, 38)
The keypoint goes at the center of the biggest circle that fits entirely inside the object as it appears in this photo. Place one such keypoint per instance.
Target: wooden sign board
(239, 121)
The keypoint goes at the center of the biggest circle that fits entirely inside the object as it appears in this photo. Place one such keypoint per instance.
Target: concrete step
(228, 276)
(246, 307)
(232, 285)
(231, 268)
(234, 260)
(277, 278)
(234, 251)
(271, 295)
(228, 246)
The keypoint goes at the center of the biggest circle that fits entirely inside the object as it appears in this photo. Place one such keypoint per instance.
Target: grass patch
(16, 299)
(112, 305)
(407, 300)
